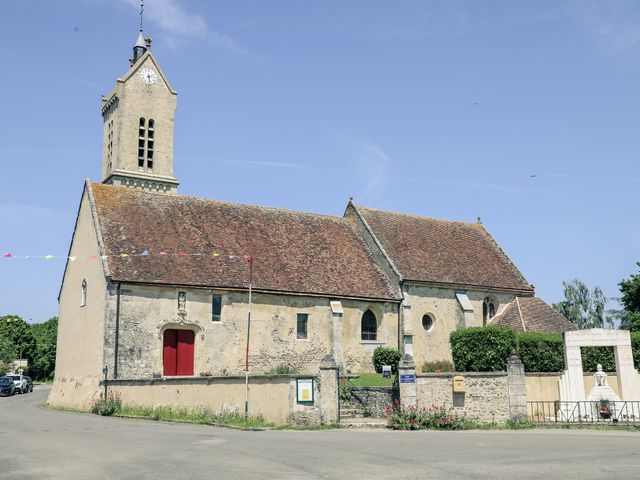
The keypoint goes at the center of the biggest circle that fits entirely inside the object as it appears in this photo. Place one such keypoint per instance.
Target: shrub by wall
(386, 356)
(482, 349)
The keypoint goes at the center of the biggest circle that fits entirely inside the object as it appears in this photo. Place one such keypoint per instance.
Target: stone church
(159, 285)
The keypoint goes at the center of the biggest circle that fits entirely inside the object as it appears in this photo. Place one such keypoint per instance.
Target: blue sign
(408, 378)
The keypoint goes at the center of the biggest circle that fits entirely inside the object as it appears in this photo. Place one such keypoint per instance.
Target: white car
(22, 383)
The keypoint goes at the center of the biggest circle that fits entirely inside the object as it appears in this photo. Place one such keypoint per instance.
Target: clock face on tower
(148, 76)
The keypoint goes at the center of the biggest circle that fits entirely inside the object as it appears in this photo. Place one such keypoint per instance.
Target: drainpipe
(117, 336)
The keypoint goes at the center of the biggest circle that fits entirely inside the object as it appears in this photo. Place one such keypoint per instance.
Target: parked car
(22, 383)
(7, 386)
(29, 383)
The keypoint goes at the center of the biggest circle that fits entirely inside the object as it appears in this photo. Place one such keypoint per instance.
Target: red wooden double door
(177, 354)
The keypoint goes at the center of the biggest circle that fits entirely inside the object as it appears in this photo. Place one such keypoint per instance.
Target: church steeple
(139, 48)
(138, 125)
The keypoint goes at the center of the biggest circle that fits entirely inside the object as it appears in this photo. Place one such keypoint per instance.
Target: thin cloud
(373, 169)
(496, 187)
(257, 163)
(18, 210)
(181, 25)
(616, 25)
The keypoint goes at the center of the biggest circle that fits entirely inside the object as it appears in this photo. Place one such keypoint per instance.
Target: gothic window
(83, 300)
(301, 326)
(216, 304)
(369, 326)
(488, 310)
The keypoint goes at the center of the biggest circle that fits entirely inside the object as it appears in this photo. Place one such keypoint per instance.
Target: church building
(161, 284)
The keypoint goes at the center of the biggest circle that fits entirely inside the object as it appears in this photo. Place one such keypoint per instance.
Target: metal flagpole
(246, 359)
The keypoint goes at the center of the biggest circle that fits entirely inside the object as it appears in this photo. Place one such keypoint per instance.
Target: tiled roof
(293, 251)
(534, 314)
(430, 250)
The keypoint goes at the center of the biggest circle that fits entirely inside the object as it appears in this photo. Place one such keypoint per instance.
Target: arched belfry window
(488, 310)
(146, 141)
(369, 326)
(83, 300)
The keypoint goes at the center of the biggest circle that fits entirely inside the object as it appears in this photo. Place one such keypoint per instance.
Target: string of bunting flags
(145, 253)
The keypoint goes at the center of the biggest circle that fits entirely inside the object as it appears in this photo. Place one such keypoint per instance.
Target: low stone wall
(486, 396)
(374, 400)
(273, 397)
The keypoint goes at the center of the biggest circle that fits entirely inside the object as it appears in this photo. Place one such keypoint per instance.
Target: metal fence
(584, 412)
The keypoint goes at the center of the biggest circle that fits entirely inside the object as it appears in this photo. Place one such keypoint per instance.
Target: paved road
(46, 444)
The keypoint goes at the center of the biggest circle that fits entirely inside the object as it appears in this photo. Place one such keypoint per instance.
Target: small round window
(427, 322)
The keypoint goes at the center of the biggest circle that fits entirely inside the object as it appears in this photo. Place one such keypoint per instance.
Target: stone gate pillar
(407, 380)
(328, 390)
(516, 387)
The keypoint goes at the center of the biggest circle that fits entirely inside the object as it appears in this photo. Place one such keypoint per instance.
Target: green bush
(386, 356)
(541, 352)
(107, 407)
(438, 366)
(482, 349)
(436, 417)
(635, 346)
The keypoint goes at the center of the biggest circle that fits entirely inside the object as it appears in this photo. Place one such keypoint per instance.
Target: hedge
(488, 348)
(482, 349)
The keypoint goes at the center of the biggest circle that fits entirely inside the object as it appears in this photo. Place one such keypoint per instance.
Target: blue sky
(442, 109)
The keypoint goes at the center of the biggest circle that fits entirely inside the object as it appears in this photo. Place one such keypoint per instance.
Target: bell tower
(138, 118)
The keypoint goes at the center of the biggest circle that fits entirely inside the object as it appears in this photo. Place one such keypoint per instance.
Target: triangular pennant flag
(48, 257)
(124, 254)
(215, 254)
(104, 257)
(181, 254)
(145, 253)
(72, 259)
(162, 254)
(93, 256)
(7, 255)
(247, 257)
(232, 257)
(197, 254)
(28, 256)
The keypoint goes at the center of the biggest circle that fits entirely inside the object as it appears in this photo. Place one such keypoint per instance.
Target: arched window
(369, 326)
(83, 301)
(488, 310)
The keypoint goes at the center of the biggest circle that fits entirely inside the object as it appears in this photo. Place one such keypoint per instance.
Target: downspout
(117, 335)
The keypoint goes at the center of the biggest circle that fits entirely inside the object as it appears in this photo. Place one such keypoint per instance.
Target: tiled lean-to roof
(532, 314)
(440, 251)
(293, 251)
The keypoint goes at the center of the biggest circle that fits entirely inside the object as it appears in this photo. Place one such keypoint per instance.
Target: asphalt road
(42, 444)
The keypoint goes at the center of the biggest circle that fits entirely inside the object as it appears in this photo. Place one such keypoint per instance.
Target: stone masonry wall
(375, 400)
(486, 398)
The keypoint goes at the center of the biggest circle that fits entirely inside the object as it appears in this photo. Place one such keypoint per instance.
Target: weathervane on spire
(141, 12)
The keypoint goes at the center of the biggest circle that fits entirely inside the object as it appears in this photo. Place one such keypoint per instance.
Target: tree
(582, 307)
(44, 360)
(630, 289)
(18, 337)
